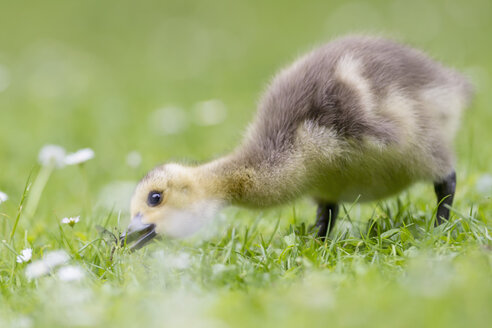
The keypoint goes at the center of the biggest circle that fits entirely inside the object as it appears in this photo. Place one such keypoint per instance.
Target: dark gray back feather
(308, 90)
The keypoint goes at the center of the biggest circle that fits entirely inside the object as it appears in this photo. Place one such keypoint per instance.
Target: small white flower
(133, 159)
(117, 195)
(36, 269)
(484, 184)
(71, 273)
(168, 120)
(179, 261)
(25, 256)
(52, 155)
(290, 240)
(21, 322)
(80, 156)
(44, 266)
(210, 112)
(55, 258)
(3, 197)
(71, 221)
(218, 269)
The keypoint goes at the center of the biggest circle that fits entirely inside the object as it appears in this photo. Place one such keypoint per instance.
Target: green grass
(91, 73)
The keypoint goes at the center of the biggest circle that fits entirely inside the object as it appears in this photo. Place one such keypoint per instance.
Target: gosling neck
(235, 180)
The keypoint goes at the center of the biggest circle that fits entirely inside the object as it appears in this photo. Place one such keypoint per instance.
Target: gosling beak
(138, 232)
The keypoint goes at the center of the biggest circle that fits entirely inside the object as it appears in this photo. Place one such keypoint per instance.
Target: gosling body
(360, 118)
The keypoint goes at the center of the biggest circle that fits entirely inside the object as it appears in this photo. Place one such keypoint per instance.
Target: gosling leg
(326, 216)
(445, 193)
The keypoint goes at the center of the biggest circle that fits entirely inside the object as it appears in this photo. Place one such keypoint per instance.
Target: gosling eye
(154, 198)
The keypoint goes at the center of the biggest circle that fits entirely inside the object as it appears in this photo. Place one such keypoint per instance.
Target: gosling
(360, 118)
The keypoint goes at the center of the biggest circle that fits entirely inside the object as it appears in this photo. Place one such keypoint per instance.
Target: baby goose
(358, 118)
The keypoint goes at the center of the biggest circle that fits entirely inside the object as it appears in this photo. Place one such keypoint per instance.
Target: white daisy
(168, 120)
(117, 195)
(210, 112)
(133, 159)
(3, 197)
(181, 261)
(218, 269)
(25, 256)
(70, 273)
(36, 269)
(44, 266)
(55, 258)
(52, 155)
(80, 156)
(71, 221)
(484, 184)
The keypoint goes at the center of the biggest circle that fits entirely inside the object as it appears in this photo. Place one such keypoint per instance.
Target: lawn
(142, 83)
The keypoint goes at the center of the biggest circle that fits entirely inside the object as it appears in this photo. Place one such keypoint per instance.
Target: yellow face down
(169, 201)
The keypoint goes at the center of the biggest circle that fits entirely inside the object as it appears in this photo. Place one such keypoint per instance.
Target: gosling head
(171, 200)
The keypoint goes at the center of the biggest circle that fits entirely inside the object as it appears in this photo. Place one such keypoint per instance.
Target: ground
(145, 83)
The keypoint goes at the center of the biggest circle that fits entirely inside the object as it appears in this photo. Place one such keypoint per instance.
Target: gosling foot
(326, 216)
(445, 193)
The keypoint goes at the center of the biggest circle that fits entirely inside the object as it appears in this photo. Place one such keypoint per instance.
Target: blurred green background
(91, 73)
(144, 77)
